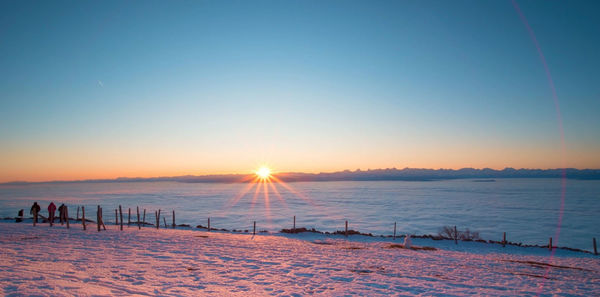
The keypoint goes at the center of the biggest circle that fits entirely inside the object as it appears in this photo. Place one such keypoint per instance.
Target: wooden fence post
(165, 221)
(67, 214)
(208, 224)
(455, 235)
(121, 217)
(77, 218)
(98, 218)
(138, 218)
(550, 244)
(503, 239)
(157, 217)
(144, 218)
(83, 217)
(294, 227)
(173, 219)
(346, 233)
(394, 230)
(254, 229)
(129, 217)
(595, 250)
(116, 217)
(102, 219)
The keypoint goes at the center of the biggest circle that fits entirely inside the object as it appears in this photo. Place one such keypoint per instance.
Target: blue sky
(106, 88)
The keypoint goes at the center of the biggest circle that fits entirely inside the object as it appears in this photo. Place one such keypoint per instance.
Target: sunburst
(263, 172)
(265, 178)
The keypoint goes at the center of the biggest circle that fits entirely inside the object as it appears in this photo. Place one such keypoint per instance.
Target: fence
(453, 234)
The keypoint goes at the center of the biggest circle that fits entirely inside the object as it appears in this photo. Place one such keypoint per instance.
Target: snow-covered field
(44, 261)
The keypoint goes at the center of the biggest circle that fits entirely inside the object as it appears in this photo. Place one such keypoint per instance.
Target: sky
(104, 89)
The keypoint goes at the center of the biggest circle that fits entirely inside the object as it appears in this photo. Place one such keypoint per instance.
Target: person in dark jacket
(35, 210)
(62, 214)
(51, 210)
(19, 217)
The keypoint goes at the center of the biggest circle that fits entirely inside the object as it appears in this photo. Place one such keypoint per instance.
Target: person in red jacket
(51, 210)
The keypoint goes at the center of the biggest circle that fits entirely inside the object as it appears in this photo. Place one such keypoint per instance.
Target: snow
(55, 261)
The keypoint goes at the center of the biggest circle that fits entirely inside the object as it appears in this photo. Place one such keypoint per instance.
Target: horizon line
(233, 175)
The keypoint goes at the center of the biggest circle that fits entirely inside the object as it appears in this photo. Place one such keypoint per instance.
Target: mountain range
(406, 174)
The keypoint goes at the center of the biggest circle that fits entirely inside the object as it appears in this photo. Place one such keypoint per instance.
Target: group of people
(35, 211)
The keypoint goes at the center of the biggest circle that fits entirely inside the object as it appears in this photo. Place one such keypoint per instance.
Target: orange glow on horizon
(70, 161)
(70, 165)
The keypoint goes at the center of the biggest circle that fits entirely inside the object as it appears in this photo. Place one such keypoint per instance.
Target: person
(19, 217)
(51, 210)
(62, 213)
(35, 210)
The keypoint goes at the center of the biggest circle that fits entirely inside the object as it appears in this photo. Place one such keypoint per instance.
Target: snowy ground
(44, 261)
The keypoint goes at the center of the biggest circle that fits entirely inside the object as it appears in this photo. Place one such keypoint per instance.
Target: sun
(264, 172)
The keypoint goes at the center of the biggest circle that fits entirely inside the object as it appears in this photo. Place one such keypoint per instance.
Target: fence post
(455, 236)
(144, 218)
(158, 220)
(294, 228)
(208, 224)
(394, 230)
(254, 229)
(550, 244)
(129, 217)
(346, 233)
(503, 239)
(121, 216)
(116, 217)
(102, 219)
(67, 214)
(595, 250)
(83, 217)
(138, 218)
(173, 219)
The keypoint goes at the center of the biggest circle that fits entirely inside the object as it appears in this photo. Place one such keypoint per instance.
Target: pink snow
(44, 261)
